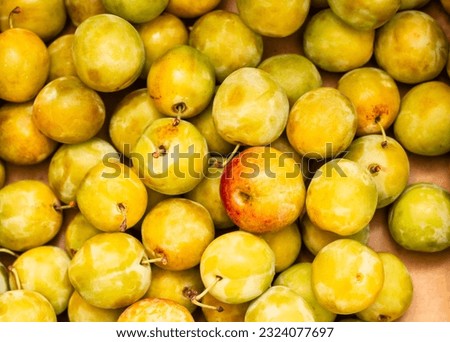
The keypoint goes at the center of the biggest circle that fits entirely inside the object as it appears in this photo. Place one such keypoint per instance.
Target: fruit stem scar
(176, 121)
(123, 211)
(179, 107)
(70, 205)
(16, 10)
(160, 152)
(374, 168)
(16, 277)
(232, 154)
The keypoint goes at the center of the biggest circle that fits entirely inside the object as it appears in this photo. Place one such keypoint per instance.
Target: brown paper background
(430, 271)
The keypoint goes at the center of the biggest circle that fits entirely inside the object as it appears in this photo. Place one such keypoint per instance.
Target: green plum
(333, 45)
(219, 31)
(191, 9)
(28, 215)
(411, 47)
(78, 231)
(110, 270)
(44, 269)
(136, 12)
(396, 294)
(279, 304)
(387, 162)
(25, 306)
(108, 35)
(61, 60)
(412, 4)
(423, 123)
(298, 278)
(294, 72)
(419, 220)
(80, 10)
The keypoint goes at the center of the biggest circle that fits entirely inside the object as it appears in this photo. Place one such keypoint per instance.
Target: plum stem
(70, 205)
(160, 152)
(384, 142)
(123, 211)
(8, 251)
(16, 10)
(233, 153)
(159, 258)
(192, 295)
(16, 277)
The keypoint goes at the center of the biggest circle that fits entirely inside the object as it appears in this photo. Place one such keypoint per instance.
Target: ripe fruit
(61, 60)
(21, 142)
(113, 189)
(79, 10)
(396, 294)
(271, 18)
(22, 53)
(177, 231)
(375, 96)
(116, 276)
(44, 269)
(67, 111)
(298, 279)
(2, 174)
(294, 72)
(159, 36)
(70, 163)
(342, 197)
(322, 123)
(250, 108)
(189, 9)
(365, 14)
(333, 45)
(419, 219)
(136, 12)
(134, 112)
(286, 244)
(411, 47)
(410, 4)
(46, 18)
(262, 190)
(155, 310)
(78, 231)
(171, 156)
(79, 310)
(219, 31)
(315, 238)
(107, 35)
(350, 289)
(279, 304)
(28, 217)
(181, 82)
(244, 274)
(387, 162)
(25, 306)
(229, 313)
(423, 122)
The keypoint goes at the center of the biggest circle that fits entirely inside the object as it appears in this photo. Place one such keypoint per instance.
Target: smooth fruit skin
(130, 118)
(423, 123)
(411, 47)
(419, 220)
(135, 12)
(374, 94)
(108, 272)
(219, 31)
(25, 306)
(46, 18)
(67, 111)
(71, 162)
(24, 65)
(44, 269)
(181, 82)
(178, 230)
(335, 46)
(107, 35)
(78, 310)
(244, 274)
(250, 108)
(189, 9)
(346, 276)
(21, 142)
(230, 313)
(27, 215)
(322, 123)
(61, 61)
(396, 294)
(170, 156)
(365, 14)
(298, 278)
(279, 304)
(113, 189)
(155, 310)
(262, 190)
(412, 4)
(270, 18)
(387, 162)
(342, 197)
(80, 10)
(78, 231)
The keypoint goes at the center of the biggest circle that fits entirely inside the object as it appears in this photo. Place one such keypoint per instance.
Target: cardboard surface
(430, 271)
